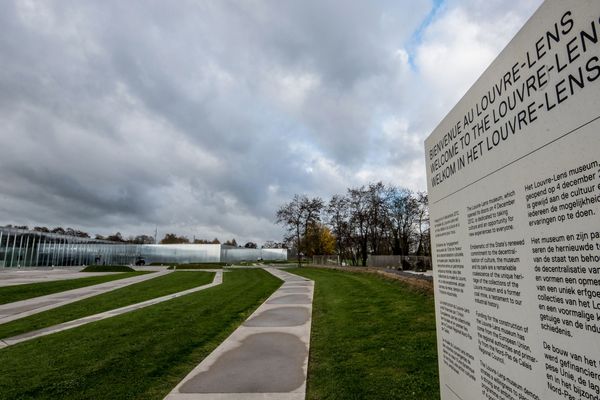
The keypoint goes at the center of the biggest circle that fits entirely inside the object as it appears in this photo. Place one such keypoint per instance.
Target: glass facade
(22, 248)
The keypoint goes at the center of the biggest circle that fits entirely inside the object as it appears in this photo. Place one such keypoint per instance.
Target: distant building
(25, 248)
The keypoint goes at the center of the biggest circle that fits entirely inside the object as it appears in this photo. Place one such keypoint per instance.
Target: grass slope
(371, 338)
(107, 268)
(138, 292)
(9, 294)
(198, 266)
(140, 355)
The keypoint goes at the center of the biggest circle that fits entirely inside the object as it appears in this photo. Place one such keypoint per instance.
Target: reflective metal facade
(181, 253)
(22, 248)
(236, 254)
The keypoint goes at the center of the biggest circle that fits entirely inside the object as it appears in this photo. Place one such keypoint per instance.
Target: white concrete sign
(514, 188)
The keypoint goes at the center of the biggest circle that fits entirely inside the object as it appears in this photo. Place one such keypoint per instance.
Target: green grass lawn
(138, 292)
(139, 355)
(9, 294)
(198, 266)
(372, 338)
(107, 268)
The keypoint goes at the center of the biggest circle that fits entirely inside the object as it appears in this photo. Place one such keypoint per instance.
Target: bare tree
(290, 216)
(271, 244)
(403, 207)
(298, 215)
(377, 216)
(422, 224)
(358, 204)
(311, 211)
(338, 218)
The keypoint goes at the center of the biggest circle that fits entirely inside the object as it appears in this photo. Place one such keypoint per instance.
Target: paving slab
(24, 308)
(282, 316)
(291, 299)
(297, 283)
(278, 357)
(295, 289)
(266, 358)
(218, 279)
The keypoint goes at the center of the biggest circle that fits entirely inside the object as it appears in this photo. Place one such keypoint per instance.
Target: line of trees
(172, 238)
(59, 230)
(371, 219)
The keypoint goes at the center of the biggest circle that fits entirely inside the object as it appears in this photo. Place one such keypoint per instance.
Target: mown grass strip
(138, 292)
(139, 355)
(372, 338)
(198, 266)
(107, 268)
(9, 294)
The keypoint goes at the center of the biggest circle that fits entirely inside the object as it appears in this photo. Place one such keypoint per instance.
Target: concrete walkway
(14, 276)
(266, 358)
(24, 308)
(218, 279)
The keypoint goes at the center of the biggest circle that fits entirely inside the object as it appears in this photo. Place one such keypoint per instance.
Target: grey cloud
(127, 115)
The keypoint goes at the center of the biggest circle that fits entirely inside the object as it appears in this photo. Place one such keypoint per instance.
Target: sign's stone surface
(514, 186)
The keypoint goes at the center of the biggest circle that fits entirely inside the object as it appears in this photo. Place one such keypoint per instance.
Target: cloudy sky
(202, 117)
